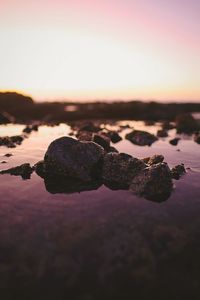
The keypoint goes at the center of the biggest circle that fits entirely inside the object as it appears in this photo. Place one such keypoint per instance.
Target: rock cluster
(76, 165)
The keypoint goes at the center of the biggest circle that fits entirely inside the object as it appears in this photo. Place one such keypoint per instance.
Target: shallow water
(99, 244)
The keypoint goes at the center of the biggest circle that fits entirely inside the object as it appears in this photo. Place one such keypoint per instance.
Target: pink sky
(101, 49)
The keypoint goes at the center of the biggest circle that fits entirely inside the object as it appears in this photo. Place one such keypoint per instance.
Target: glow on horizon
(56, 55)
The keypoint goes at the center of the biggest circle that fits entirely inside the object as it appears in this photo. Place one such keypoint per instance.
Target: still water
(99, 244)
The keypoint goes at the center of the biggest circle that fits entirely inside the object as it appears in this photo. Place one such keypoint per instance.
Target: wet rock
(174, 141)
(166, 125)
(8, 155)
(141, 138)
(162, 133)
(185, 123)
(24, 170)
(153, 183)
(69, 157)
(12, 141)
(29, 128)
(178, 171)
(197, 138)
(114, 136)
(102, 140)
(119, 169)
(155, 159)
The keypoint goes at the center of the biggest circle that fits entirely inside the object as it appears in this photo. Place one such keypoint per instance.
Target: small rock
(141, 138)
(119, 169)
(24, 170)
(4, 162)
(174, 141)
(166, 125)
(162, 133)
(178, 171)
(69, 157)
(153, 183)
(8, 155)
(114, 136)
(29, 128)
(12, 141)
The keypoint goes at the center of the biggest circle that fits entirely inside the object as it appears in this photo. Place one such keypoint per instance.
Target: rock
(155, 159)
(24, 170)
(69, 157)
(185, 123)
(174, 141)
(102, 140)
(166, 125)
(141, 138)
(8, 155)
(3, 162)
(114, 136)
(149, 122)
(162, 133)
(12, 141)
(153, 183)
(30, 128)
(119, 169)
(178, 171)
(197, 138)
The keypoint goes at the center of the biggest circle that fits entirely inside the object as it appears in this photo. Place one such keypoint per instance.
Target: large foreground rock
(69, 157)
(153, 183)
(141, 138)
(119, 169)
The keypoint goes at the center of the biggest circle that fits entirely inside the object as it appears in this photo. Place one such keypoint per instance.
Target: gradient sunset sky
(101, 49)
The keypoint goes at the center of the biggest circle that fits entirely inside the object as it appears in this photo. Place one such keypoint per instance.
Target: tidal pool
(99, 244)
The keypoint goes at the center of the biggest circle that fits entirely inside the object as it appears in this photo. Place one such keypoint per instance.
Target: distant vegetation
(23, 109)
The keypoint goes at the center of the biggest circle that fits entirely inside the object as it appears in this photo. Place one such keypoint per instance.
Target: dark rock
(39, 168)
(178, 171)
(114, 136)
(8, 155)
(29, 128)
(153, 183)
(4, 162)
(166, 125)
(69, 157)
(162, 133)
(102, 140)
(197, 138)
(186, 123)
(174, 141)
(155, 159)
(141, 138)
(119, 169)
(25, 171)
(12, 141)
